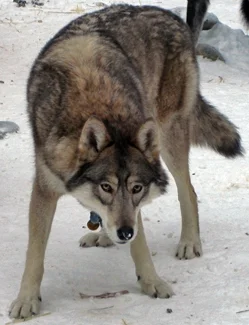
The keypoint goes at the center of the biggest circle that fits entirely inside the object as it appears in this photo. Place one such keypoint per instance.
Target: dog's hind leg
(175, 153)
(42, 209)
(148, 279)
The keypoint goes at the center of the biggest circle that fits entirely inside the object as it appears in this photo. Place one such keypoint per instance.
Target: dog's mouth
(121, 242)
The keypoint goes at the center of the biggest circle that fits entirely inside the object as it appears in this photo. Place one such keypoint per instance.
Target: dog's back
(122, 64)
(141, 39)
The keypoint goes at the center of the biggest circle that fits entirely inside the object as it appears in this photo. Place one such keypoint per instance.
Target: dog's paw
(189, 249)
(156, 288)
(25, 307)
(95, 239)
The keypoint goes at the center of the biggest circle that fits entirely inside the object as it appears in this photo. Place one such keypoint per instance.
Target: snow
(209, 290)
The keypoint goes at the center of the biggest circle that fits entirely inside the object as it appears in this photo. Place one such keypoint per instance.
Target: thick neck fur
(96, 86)
(92, 86)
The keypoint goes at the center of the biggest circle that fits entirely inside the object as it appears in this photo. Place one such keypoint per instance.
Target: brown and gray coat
(109, 94)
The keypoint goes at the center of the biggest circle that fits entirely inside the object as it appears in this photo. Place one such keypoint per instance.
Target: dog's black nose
(125, 233)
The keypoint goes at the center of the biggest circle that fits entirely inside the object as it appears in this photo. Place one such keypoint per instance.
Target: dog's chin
(122, 242)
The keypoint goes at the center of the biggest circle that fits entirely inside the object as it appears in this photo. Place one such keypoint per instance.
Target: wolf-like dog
(107, 95)
(196, 11)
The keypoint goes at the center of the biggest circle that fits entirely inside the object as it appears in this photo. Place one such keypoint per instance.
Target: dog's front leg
(150, 282)
(42, 209)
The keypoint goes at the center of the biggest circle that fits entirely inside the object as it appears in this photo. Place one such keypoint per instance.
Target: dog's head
(118, 175)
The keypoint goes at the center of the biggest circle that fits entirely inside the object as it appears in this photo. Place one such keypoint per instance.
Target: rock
(210, 21)
(100, 4)
(209, 52)
(7, 127)
(232, 44)
(20, 3)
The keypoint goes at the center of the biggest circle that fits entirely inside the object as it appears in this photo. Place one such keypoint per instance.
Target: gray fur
(107, 95)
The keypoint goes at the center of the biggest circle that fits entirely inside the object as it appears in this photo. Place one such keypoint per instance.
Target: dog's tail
(208, 127)
(245, 11)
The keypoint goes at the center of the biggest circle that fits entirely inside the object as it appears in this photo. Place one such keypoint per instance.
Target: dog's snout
(125, 233)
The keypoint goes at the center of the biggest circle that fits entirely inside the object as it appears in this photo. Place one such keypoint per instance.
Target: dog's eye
(106, 187)
(136, 189)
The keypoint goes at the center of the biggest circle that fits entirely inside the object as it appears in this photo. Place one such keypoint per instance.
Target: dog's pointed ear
(94, 138)
(147, 140)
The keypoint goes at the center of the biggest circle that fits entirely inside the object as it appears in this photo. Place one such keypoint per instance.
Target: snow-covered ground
(209, 290)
